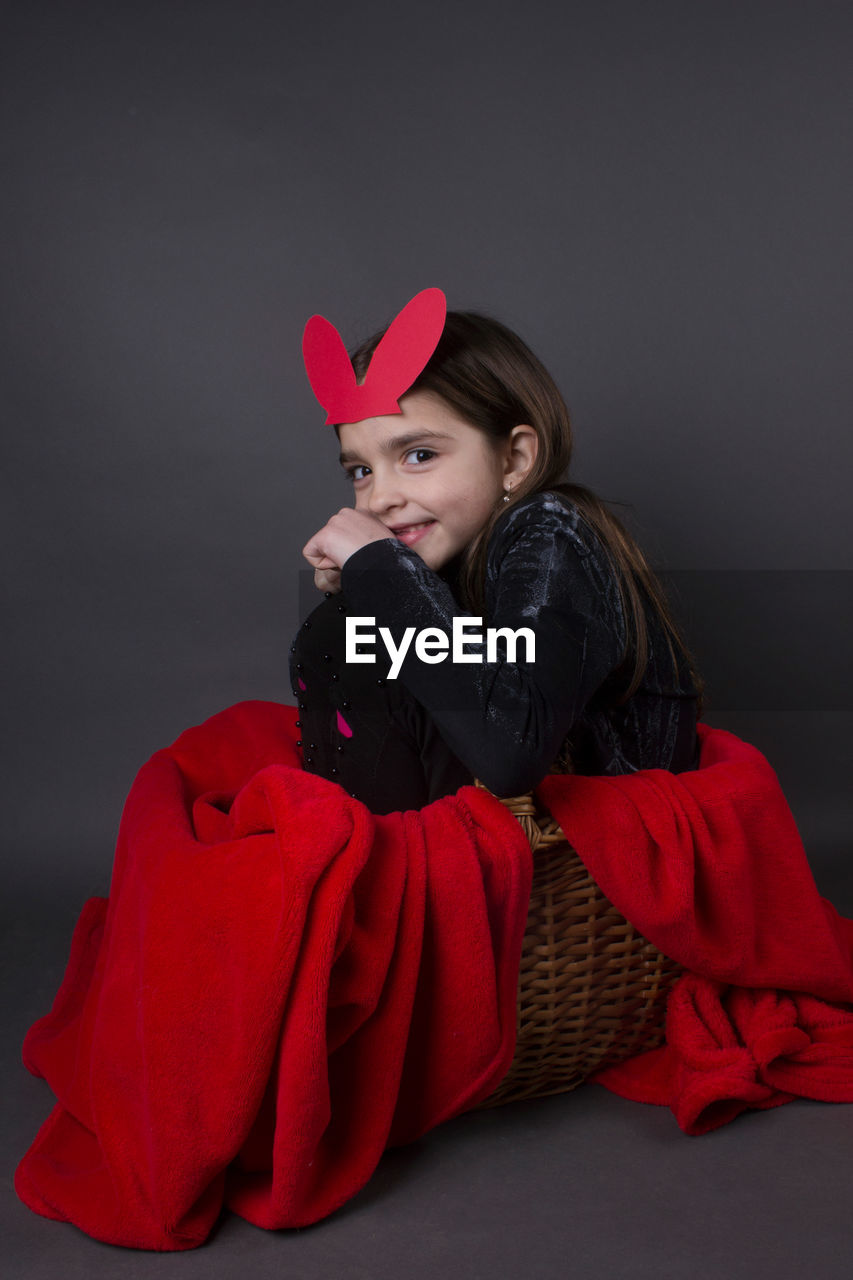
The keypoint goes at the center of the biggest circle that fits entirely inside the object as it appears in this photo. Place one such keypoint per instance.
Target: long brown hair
(493, 381)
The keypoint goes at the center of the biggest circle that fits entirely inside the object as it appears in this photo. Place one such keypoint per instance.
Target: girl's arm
(504, 720)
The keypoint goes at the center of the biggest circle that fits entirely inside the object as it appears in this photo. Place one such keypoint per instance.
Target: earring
(507, 493)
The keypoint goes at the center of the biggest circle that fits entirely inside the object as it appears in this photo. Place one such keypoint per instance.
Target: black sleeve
(505, 720)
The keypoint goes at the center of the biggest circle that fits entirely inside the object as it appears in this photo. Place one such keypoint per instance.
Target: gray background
(658, 197)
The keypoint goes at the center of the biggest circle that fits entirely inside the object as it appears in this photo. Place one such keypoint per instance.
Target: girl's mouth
(413, 533)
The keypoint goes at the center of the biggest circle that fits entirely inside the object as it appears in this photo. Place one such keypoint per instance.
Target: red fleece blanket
(281, 985)
(709, 866)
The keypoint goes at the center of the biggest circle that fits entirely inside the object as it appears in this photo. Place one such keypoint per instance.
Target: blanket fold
(281, 985)
(709, 866)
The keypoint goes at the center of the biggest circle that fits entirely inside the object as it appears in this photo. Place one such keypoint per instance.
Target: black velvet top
(399, 743)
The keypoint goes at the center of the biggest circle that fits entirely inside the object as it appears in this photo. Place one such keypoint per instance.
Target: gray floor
(584, 1184)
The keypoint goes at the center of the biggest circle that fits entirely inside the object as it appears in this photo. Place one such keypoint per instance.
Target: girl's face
(424, 467)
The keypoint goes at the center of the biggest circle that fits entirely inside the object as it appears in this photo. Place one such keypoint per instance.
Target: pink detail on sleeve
(343, 727)
(301, 683)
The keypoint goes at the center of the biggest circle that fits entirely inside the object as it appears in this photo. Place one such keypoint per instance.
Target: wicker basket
(591, 990)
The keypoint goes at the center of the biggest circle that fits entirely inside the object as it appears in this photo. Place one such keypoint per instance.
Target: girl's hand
(331, 546)
(327, 580)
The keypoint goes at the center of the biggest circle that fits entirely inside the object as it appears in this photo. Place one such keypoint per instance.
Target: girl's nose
(385, 494)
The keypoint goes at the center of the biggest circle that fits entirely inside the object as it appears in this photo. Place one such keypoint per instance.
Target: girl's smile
(428, 475)
(412, 533)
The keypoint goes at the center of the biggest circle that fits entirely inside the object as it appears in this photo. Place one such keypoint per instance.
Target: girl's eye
(360, 466)
(431, 453)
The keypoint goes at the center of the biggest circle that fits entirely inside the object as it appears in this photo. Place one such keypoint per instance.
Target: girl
(457, 441)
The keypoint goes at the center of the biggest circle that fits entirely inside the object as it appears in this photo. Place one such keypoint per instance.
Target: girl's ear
(523, 448)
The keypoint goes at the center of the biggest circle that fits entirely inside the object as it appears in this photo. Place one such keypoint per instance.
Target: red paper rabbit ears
(400, 356)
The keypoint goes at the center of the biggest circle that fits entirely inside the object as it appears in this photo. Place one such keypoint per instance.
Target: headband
(400, 356)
